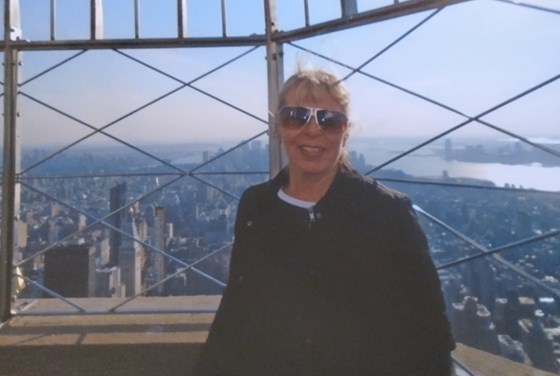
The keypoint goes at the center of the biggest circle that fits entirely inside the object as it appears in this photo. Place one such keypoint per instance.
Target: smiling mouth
(311, 150)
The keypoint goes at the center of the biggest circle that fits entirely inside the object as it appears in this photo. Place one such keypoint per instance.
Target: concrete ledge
(161, 359)
(45, 342)
(105, 329)
(486, 364)
(161, 344)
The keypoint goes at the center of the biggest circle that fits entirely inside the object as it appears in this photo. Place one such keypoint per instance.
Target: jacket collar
(344, 189)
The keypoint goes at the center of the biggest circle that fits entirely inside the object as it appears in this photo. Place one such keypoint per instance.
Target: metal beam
(96, 19)
(348, 8)
(11, 158)
(144, 43)
(181, 18)
(363, 18)
(53, 19)
(136, 20)
(224, 22)
(275, 76)
(350, 21)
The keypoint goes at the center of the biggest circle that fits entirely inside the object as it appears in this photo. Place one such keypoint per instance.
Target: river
(427, 163)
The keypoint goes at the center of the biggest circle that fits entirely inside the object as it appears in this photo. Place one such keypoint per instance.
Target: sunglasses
(297, 117)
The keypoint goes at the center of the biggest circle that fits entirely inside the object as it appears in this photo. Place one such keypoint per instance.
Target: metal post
(348, 8)
(306, 12)
(136, 20)
(96, 19)
(181, 18)
(53, 19)
(275, 74)
(224, 26)
(10, 187)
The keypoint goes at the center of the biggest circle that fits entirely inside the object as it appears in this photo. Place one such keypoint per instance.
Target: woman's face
(311, 150)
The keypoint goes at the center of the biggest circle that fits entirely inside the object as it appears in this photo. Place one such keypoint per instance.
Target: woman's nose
(312, 126)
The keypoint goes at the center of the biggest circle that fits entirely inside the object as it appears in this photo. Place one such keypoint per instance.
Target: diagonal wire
(190, 83)
(458, 362)
(52, 293)
(59, 64)
(544, 148)
(99, 130)
(211, 160)
(420, 181)
(111, 175)
(388, 47)
(532, 239)
(182, 270)
(137, 174)
(231, 173)
(206, 182)
(183, 84)
(100, 220)
(183, 172)
(150, 103)
(161, 187)
(221, 155)
(469, 120)
(388, 83)
(530, 6)
(116, 229)
(483, 251)
(198, 78)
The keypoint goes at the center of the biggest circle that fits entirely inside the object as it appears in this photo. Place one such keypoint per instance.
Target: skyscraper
(70, 270)
(117, 201)
(158, 259)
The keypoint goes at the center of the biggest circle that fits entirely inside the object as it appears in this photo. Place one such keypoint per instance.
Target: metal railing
(15, 43)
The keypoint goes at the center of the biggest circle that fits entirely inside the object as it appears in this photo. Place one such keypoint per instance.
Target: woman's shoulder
(258, 191)
(258, 198)
(265, 190)
(363, 187)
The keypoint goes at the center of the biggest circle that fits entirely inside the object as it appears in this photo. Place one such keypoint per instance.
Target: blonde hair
(316, 82)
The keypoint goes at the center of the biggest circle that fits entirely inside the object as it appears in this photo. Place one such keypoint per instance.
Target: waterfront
(429, 163)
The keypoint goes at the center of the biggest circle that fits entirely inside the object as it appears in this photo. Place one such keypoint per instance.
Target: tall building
(70, 270)
(539, 344)
(21, 234)
(169, 230)
(131, 257)
(158, 259)
(482, 282)
(473, 326)
(512, 349)
(511, 310)
(108, 283)
(55, 209)
(117, 201)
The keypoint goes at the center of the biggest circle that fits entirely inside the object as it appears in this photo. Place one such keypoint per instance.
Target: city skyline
(500, 161)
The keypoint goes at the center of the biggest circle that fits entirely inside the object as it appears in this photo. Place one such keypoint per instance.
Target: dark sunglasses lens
(331, 120)
(294, 117)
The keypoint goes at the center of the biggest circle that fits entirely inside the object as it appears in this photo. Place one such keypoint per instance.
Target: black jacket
(345, 288)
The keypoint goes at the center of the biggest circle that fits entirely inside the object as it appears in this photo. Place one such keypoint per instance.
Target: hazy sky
(470, 57)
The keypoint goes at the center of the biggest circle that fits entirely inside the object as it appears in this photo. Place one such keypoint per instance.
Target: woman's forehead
(310, 94)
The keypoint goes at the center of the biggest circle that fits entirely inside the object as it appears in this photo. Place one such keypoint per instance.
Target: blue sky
(470, 57)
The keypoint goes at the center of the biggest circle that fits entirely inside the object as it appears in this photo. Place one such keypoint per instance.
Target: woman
(330, 272)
